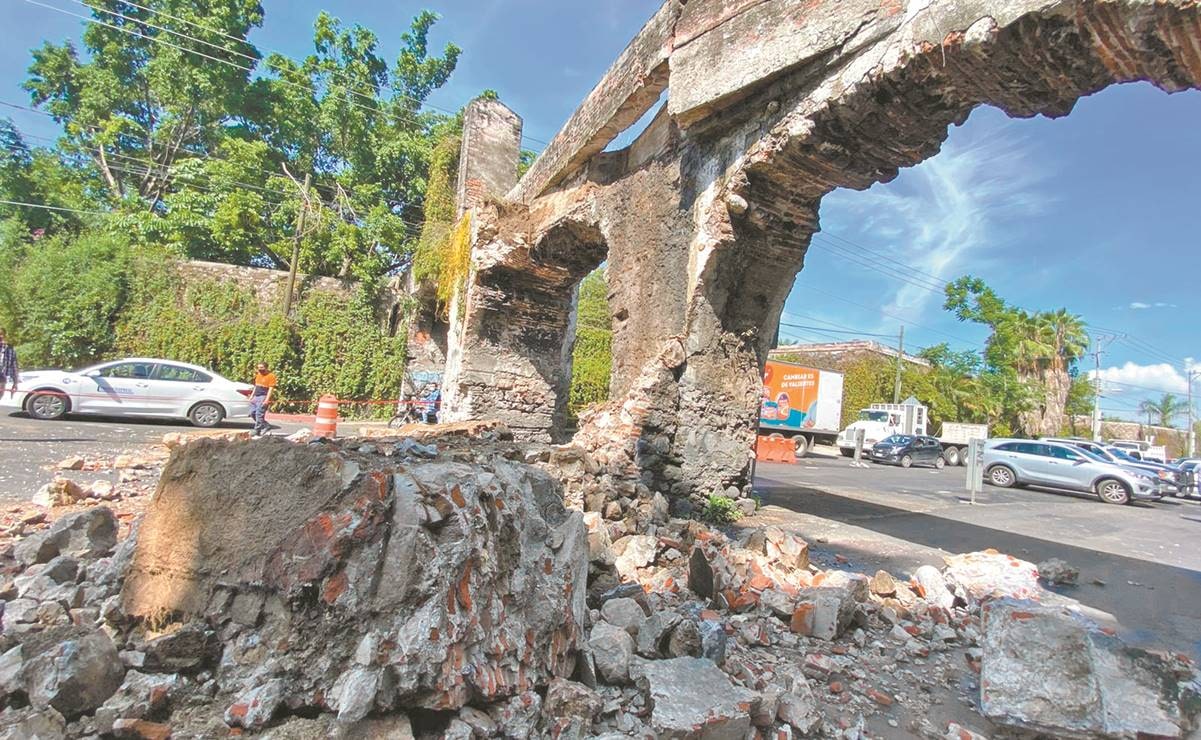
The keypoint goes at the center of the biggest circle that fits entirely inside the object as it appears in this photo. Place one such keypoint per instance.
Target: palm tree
(1165, 409)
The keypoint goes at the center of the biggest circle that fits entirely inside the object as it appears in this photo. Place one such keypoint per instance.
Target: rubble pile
(393, 587)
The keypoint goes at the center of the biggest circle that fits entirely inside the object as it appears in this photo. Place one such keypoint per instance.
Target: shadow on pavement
(1159, 605)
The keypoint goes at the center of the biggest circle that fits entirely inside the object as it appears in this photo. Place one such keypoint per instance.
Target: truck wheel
(803, 445)
(952, 456)
(846, 451)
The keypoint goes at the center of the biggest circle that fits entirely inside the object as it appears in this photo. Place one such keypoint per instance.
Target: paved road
(28, 447)
(1148, 556)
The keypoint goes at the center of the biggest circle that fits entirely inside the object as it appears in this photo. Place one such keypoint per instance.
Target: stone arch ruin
(705, 218)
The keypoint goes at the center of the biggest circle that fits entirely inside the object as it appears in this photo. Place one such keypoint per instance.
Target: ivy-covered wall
(72, 301)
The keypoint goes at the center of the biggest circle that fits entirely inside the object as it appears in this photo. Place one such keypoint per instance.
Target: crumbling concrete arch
(773, 104)
(513, 326)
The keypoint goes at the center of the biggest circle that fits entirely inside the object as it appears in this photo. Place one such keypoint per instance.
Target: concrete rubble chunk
(685, 640)
(76, 675)
(612, 648)
(519, 715)
(140, 695)
(785, 548)
(933, 587)
(639, 551)
(1049, 670)
(255, 709)
(12, 671)
(1058, 572)
(480, 723)
(475, 571)
(989, 574)
(692, 698)
(624, 613)
(882, 584)
(354, 693)
(91, 533)
(31, 723)
(798, 707)
(652, 636)
(569, 709)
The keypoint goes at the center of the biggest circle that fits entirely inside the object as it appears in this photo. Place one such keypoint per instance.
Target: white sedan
(132, 387)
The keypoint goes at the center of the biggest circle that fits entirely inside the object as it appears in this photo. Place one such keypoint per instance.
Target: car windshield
(898, 439)
(1119, 453)
(1092, 455)
(873, 416)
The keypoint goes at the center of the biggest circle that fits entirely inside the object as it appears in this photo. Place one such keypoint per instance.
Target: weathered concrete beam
(624, 94)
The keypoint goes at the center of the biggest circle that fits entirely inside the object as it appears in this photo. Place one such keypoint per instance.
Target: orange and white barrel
(327, 417)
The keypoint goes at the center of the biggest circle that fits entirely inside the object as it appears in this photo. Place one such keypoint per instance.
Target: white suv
(1022, 462)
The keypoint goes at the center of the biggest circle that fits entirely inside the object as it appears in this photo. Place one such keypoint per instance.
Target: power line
(890, 268)
(835, 331)
(51, 208)
(1140, 387)
(264, 59)
(892, 316)
(146, 167)
(191, 155)
(249, 70)
(859, 245)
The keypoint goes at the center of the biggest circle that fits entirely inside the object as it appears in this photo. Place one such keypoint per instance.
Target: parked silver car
(1023, 462)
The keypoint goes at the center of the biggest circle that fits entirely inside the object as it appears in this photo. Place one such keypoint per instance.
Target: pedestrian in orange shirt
(260, 399)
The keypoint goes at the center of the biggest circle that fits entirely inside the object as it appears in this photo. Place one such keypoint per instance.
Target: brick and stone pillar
(512, 324)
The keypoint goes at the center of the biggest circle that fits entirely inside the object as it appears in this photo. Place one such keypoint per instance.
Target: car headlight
(1164, 475)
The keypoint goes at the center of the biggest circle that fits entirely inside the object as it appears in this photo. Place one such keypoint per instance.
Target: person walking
(260, 399)
(8, 366)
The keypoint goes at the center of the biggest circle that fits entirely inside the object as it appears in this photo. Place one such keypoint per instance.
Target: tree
(1164, 410)
(592, 355)
(145, 95)
(179, 127)
(1040, 348)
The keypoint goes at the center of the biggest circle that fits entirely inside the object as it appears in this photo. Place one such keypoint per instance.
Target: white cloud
(1139, 379)
(941, 216)
(1140, 306)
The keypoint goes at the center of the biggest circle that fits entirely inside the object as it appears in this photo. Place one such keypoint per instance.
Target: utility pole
(896, 387)
(304, 209)
(1192, 433)
(1097, 383)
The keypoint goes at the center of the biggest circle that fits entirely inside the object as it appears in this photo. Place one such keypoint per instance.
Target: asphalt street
(1141, 563)
(29, 449)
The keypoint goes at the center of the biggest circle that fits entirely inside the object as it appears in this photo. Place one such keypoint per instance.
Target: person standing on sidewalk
(260, 399)
(8, 366)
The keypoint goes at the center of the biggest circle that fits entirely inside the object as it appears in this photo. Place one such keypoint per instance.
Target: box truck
(800, 402)
(882, 420)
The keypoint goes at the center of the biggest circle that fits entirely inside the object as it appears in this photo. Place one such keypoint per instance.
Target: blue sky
(1096, 212)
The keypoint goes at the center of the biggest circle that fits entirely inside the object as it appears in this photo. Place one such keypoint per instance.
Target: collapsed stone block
(475, 572)
(692, 698)
(612, 648)
(74, 675)
(1049, 670)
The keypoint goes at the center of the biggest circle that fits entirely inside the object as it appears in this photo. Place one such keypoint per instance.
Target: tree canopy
(191, 138)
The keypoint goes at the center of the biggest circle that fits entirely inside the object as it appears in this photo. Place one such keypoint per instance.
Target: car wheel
(47, 405)
(1113, 492)
(206, 414)
(951, 456)
(1001, 477)
(939, 462)
(906, 461)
